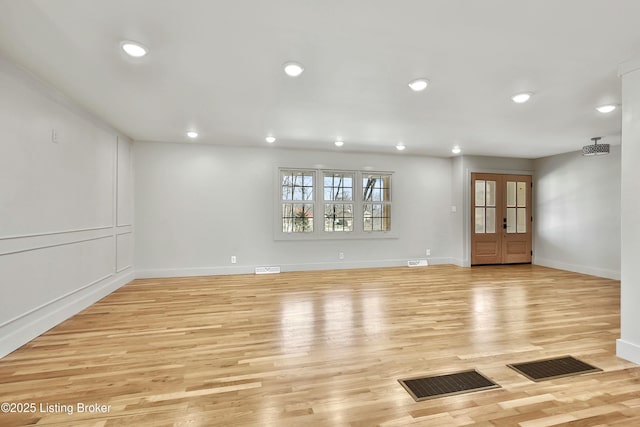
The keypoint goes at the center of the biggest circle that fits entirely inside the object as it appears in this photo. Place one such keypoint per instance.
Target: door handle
(504, 226)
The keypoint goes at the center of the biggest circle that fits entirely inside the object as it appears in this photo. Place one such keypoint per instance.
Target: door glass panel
(511, 194)
(511, 220)
(480, 192)
(491, 193)
(522, 220)
(522, 194)
(491, 220)
(479, 220)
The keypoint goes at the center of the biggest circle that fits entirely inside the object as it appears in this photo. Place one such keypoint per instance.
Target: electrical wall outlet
(340, 255)
(233, 259)
(428, 252)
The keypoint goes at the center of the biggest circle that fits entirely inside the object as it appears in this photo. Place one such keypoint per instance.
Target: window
(297, 200)
(338, 189)
(376, 196)
(353, 204)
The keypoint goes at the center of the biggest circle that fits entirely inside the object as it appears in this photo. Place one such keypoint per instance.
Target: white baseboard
(250, 269)
(583, 269)
(628, 351)
(20, 331)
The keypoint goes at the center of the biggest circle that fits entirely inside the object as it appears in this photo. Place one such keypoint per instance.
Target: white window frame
(358, 202)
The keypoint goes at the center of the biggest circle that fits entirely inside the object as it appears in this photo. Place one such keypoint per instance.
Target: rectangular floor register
(431, 387)
(541, 370)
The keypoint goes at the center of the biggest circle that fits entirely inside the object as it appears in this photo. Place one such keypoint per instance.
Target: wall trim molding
(120, 270)
(583, 269)
(53, 233)
(34, 323)
(53, 301)
(54, 245)
(250, 269)
(628, 351)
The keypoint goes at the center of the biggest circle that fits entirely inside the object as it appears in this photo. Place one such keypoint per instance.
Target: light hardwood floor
(327, 348)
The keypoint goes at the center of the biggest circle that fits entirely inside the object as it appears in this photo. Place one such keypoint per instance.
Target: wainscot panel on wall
(62, 172)
(197, 205)
(124, 176)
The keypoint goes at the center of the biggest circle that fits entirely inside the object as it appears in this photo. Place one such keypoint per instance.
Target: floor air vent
(267, 270)
(446, 385)
(548, 369)
(417, 263)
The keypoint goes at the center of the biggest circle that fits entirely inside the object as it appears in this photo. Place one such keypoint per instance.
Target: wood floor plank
(326, 348)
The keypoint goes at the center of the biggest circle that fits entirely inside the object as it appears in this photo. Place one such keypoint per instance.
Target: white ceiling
(216, 66)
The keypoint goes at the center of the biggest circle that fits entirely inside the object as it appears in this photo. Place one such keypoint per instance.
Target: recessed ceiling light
(338, 143)
(521, 97)
(456, 150)
(192, 134)
(134, 49)
(419, 85)
(293, 69)
(400, 146)
(606, 108)
(270, 139)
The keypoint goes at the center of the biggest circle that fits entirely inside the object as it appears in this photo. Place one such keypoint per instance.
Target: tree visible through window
(351, 203)
(376, 195)
(297, 201)
(338, 189)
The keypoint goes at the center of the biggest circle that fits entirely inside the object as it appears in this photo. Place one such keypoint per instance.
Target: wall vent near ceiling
(417, 263)
(267, 270)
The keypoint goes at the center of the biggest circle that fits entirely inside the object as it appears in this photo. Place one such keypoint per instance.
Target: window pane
(522, 194)
(297, 218)
(376, 188)
(479, 220)
(522, 220)
(302, 218)
(511, 220)
(296, 185)
(287, 193)
(338, 186)
(297, 193)
(307, 193)
(491, 193)
(511, 194)
(386, 217)
(491, 220)
(338, 217)
(480, 197)
(376, 217)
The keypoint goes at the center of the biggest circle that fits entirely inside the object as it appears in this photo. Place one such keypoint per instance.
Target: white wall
(65, 209)
(628, 346)
(577, 213)
(197, 205)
